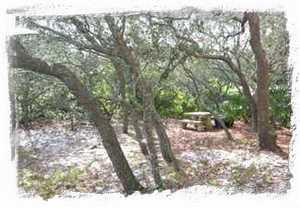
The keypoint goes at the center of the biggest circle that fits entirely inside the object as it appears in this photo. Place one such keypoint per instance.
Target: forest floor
(52, 151)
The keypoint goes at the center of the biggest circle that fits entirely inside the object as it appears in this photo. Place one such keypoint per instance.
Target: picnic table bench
(200, 120)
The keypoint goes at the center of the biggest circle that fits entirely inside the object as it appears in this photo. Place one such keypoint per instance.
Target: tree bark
(164, 142)
(153, 154)
(226, 130)
(125, 120)
(90, 104)
(128, 55)
(165, 145)
(267, 139)
(122, 83)
(139, 134)
(126, 106)
(148, 126)
(140, 85)
(12, 100)
(13, 119)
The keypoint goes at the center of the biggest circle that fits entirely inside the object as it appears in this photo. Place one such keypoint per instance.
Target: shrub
(47, 186)
(280, 101)
(173, 103)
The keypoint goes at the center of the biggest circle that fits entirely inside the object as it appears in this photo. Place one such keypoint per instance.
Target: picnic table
(200, 120)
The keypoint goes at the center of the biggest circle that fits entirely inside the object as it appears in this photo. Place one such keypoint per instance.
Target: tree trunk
(90, 104)
(146, 88)
(12, 100)
(227, 132)
(238, 72)
(148, 126)
(129, 57)
(251, 100)
(125, 120)
(246, 91)
(122, 85)
(139, 134)
(164, 142)
(153, 154)
(267, 139)
(13, 119)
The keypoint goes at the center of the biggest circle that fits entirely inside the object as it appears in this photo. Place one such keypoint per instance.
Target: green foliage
(47, 186)
(280, 102)
(173, 103)
(235, 107)
(39, 97)
(156, 48)
(223, 98)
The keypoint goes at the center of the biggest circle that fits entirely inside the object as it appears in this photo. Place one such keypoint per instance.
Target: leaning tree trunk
(164, 142)
(250, 99)
(128, 55)
(246, 90)
(143, 87)
(122, 85)
(148, 126)
(139, 134)
(90, 104)
(126, 106)
(267, 139)
(224, 127)
(125, 52)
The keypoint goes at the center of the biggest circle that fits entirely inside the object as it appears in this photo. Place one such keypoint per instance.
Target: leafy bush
(173, 103)
(47, 186)
(280, 101)
(235, 107)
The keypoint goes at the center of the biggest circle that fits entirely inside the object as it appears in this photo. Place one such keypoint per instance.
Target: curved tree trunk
(129, 56)
(267, 139)
(246, 91)
(85, 99)
(144, 88)
(250, 98)
(226, 130)
(237, 71)
(126, 106)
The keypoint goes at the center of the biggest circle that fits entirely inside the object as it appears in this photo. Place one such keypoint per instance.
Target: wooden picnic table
(197, 115)
(198, 118)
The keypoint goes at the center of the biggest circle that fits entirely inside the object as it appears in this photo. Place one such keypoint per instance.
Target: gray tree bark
(148, 126)
(13, 119)
(90, 104)
(129, 57)
(122, 83)
(139, 134)
(12, 100)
